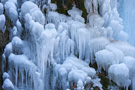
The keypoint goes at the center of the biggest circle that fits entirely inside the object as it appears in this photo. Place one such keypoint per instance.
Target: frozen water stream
(127, 13)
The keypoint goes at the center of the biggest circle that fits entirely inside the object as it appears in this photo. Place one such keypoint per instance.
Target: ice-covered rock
(52, 6)
(119, 73)
(38, 16)
(27, 7)
(8, 49)
(123, 36)
(35, 12)
(1, 8)
(9, 5)
(8, 85)
(104, 59)
(125, 47)
(13, 15)
(118, 54)
(97, 44)
(91, 6)
(5, 76)
(19, 27)
(76, 71)
(96, 21)
(130, 62)
(74, 11)
(2, 23)
(17, 45)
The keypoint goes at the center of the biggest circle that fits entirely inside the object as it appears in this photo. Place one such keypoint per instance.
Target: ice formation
(53, 51)
(1, 8)
(2, 23)
(119, 73)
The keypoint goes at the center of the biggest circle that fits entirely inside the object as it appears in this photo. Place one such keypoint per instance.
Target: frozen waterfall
(54, 51)
(126, 10)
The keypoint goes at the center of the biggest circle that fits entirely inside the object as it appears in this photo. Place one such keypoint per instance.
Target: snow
(2, 23)
(119, 73)
(7, 85)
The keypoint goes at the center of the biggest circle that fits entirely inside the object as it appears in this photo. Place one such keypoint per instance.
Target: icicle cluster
(54, 51)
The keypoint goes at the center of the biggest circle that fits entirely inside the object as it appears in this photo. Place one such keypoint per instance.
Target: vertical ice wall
(127, 13)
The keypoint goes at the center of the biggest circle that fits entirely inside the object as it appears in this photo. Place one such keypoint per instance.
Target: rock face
(4, 39)
(65, 5)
